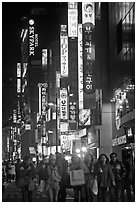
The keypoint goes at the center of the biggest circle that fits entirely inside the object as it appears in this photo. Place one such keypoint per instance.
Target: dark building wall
(121, 43)
(101, 64)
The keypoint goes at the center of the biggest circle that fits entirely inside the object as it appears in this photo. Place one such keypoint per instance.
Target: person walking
(26, 175)
(62, 165)
(78, 164)
(129, 177)
(89, 176)
(119, 171)
(105, 177)
(52, 184)
(17, 166)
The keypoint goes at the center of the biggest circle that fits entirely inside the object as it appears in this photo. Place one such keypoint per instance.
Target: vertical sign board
(63, 105)
(44, 57)
(88, 13)
(18, 77)
(72, 19)
(72, 111)
(43, 98)
(88, 23)
(64, 51)
(33, 39)
(80, 66)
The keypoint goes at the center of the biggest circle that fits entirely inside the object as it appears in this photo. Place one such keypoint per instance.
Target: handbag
(95, 187)
(41, 186)
(77, 178)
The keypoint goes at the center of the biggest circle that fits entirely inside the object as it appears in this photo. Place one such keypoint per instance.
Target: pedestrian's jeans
(116, 192)
(102, 194)
(77, 190)
(26, 194)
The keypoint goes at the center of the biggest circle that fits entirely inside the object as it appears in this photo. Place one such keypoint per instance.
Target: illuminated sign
(14, 116)
(72, 19)
(18, 69)
(25, 65)
(50, 56)
(63, 104)
(84, 117)
(88, 13)
(119, 140)
(64, 54)
(33, 38)
(18, 85)
(80, 66)
(72, 111)
(64, 127)
(57, 79)
(42, 98)
(65, 142)
(89, 58)
(44, 57)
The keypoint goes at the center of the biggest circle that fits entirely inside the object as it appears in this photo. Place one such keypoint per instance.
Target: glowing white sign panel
(25, 65)
(18, 69)
(88, 13)
(64, 127)
(72, 19)
(80, 66)
(57, 79)
(44, 57)
(64, 54)
(63, 104)
(18, 85)
(65, 142)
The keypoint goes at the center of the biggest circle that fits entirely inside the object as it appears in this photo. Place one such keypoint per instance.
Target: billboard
(64, 51)
(72, 19)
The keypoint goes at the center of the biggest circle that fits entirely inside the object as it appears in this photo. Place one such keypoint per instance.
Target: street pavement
(13, 194)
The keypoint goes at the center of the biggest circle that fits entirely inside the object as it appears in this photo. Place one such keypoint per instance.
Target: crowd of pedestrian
(103, 179)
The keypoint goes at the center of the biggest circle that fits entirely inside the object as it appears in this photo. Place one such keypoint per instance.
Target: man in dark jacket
(26, 175)
(116, 192)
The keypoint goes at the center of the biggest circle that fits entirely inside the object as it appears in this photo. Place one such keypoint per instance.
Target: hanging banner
(72, 19)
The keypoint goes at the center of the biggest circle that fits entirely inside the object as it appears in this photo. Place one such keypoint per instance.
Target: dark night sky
(12, 12)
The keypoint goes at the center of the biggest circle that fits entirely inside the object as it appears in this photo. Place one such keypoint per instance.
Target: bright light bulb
(77, 151)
